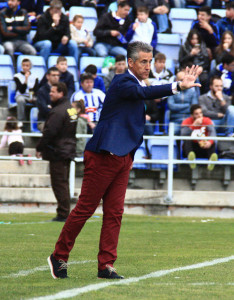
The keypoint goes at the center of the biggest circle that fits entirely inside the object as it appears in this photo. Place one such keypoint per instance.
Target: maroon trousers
(105, 177)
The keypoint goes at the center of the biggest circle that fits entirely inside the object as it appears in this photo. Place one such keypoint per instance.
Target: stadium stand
(181, 19)
(89, 14)
(169, 44)
(97, 61)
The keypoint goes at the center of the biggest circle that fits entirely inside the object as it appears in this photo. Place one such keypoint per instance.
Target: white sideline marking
(41, 222)
(43, 268)
(94, 287)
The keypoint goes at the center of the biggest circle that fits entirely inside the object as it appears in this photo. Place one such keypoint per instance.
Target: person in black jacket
(58, 146)
(110, 31)
(14, 27)
(43, 96)
(65, 76)
(53, 33)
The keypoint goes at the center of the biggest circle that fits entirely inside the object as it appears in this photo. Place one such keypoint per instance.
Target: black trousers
(200, 152)
(59, 175)
(16, 148)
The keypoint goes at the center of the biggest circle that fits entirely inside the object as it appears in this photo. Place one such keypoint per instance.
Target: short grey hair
(56, 4)
(135, 47)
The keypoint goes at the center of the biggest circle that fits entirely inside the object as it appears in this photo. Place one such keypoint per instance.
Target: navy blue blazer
(121, 124)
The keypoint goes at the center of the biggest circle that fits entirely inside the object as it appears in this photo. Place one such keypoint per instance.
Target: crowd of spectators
(209, 44)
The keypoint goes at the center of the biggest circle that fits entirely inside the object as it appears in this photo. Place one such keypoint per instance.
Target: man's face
(159, 65)
(197, 114)
(230, 13)
(62, 66)
(120, 67)
(53, 77)
(26, 66)
(141, 67)
(55, 10)
(123, 12)
(13, 4)
(203, 16)
(229, 67)
(142, 17)
(216, 86)
(87, 85)
(54, 94)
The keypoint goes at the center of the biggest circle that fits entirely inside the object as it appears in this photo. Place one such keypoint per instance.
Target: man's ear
(130, 62)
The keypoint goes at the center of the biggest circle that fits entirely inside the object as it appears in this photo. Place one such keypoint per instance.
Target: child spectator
(207, 28)
(98, 81)
(81, 128)
(143, 29)
(15, 141)
(81, 36)
(226, 46)
(194, 50)
(65, 76)
(26, 88)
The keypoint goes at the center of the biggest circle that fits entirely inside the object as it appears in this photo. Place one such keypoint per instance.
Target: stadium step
(13, 167)
(31, 151)
(4, 112)
(24, 180)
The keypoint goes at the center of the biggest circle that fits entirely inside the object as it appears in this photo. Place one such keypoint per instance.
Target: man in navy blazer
(108, 159)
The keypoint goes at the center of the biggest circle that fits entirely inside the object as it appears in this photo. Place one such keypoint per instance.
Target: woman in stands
(226, 45)
(194, 51)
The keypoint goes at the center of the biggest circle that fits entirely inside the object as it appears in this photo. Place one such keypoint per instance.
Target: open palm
(190, 77)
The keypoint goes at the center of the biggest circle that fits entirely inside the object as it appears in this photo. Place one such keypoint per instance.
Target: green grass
(147, 244)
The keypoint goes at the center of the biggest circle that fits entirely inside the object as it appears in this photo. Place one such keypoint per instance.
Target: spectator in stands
(217, 106)
(227, 23)
(158, 13)
(160, 75)
(226, 46)
(14, 141)
(14, 27)
(177, 3)
(198, 126)
(110, 31)
(26, 88)
(58, 146)
(179, 104)
(53, 33)
(220, 3)
(33, 7)
(207, 28)
(198, 3)
(143, 29)
(43, 96)
(65, 75)
(98, 80)
(225, 70)
(120, 68)
(194, 50)
(81, 36)
(93, 98)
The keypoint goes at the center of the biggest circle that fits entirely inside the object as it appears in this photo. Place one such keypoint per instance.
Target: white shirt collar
(142, 83)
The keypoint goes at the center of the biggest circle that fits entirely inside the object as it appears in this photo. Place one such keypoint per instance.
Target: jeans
(18, 45)
(104, 49)
(161, 21)
(21, 103)
(45, 48)
(227, 120)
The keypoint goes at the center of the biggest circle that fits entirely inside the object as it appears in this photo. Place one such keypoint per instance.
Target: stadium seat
(181, 19)
(38, 64)
(97, 61)
(89, 14)
(33, 119)
(6, 77)
(72, 65)
(158, 149)
(169, 44)
(141, 154)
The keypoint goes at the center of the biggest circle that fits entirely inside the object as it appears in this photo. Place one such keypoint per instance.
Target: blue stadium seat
(141, 154)
(219, 12)
(71, 62)
(38, 64)
(33, 119)
(158, 149)
(89, 14)
(169, 44)
(97, 61)
(6, 77)
(181, 19)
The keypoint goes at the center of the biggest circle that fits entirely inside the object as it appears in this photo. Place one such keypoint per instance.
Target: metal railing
(171, 138)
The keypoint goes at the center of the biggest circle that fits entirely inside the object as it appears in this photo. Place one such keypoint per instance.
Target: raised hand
(190, 77)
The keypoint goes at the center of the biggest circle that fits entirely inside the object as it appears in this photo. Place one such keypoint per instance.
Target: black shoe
(59, 219)
(58, 268)
(109, 273)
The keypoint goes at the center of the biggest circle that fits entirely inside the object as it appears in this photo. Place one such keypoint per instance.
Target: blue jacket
(121, 124)
(225, 24)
